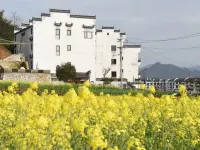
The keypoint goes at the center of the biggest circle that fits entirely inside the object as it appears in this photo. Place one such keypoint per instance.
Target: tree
(105, 80)
(105, 71)
(65, 72)
(6, 31)
(16, 19)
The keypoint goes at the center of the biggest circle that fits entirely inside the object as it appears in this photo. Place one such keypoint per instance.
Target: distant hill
(168, 71)
(195, 68)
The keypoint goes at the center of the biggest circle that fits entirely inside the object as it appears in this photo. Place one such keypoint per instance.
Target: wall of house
(105, 38)
(82, 50)
(130, 63)
(25, 47)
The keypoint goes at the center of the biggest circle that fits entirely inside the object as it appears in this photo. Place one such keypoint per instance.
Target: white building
(60, 37)
(108, 55)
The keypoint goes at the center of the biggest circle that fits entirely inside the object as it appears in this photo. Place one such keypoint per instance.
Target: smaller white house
(108, 55)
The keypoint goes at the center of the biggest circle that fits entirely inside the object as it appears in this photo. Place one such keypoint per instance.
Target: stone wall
(25, 75)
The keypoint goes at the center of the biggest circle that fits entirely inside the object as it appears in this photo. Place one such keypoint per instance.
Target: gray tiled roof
(98, 30)
(36, 19)
(108, 27)
(45, 14)
(23, 30)
(83, 16)
(116, 30)
(123, 33)
(59, 11)
(132, 46)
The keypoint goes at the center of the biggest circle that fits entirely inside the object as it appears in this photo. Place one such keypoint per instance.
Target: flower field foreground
(85, 121)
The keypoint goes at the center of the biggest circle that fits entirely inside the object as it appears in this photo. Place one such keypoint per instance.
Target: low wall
(25, 75)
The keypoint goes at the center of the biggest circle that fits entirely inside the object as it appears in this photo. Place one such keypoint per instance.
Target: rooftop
(132, 46)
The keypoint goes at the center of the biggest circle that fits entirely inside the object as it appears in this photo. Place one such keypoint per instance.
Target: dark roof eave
(59, 11)
(83, 16)
(108, 27)
(132, 46)
(45, 14)
(123, 33)
(23, 30)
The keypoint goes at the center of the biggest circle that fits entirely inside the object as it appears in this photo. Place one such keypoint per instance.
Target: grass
(61, 89)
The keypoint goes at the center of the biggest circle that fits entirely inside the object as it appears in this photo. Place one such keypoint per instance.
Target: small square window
(88, 34)
(57, 50)
(31, 30)
(69, 32)
(31, 47)
(113, 61)
(107, 33)
(69, 47)
(113, 47)
(114, 74)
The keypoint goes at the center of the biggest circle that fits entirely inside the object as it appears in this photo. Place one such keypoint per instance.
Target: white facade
(108, 55)
(49, 50)
(60, 37)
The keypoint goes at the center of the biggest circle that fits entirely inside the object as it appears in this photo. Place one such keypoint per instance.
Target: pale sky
(140, 19)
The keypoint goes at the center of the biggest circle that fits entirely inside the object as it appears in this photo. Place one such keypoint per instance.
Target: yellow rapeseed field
(83, 121)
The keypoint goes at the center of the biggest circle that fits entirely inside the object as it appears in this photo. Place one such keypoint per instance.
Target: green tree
(65, 72)
(6, 31)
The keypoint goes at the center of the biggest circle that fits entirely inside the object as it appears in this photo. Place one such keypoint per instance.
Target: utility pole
(121, 48)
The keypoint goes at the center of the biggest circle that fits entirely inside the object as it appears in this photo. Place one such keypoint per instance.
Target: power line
(182, 48)
(165, 40)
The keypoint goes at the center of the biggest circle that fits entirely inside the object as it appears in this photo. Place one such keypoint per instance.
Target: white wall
(130, 63)
(82, 54)
(104, 55)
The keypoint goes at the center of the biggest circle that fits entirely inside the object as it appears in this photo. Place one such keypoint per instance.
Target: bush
(65, 72)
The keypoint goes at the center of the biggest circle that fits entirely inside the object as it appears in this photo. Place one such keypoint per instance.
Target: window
(58, 34)
(31, 30)
(113, 47)
(107, 33)
(23, 33)
(68, 47)
(122, 70)
(88, 35)
(15, 38)
(114, 74)
(122, 58)
(57, 50)
(113, 61)
(69, 32)
(31, 46)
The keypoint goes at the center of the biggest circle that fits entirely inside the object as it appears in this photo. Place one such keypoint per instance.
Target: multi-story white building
(60, 37)
(108, 55)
